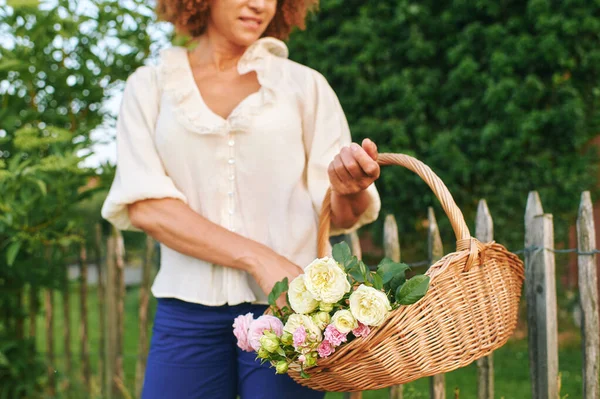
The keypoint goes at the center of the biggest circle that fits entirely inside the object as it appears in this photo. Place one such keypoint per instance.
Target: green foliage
(278, 289)
(388, 269)
(499, 98)
(388, 276)
(413, 290)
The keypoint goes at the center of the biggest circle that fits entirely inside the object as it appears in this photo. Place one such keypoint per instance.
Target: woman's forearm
(177, 226)
(346, 209)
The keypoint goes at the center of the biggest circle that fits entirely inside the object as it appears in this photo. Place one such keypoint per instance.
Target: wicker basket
(469, 311)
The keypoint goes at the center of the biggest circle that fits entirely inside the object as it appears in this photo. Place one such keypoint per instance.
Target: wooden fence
(540, 294)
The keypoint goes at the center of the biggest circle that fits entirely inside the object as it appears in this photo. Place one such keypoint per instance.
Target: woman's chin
(245, 38)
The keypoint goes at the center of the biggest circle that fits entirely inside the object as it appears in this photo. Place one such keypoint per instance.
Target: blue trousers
(193, 355)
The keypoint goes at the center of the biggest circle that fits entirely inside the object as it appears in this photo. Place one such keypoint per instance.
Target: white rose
(313, 332)
(369, 306)
(301, 300)
(344, 321)
(325, 280)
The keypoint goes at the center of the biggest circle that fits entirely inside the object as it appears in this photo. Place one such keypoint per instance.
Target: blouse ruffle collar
(178, 84)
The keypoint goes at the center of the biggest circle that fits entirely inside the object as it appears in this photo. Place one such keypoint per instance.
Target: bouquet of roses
(335, 301)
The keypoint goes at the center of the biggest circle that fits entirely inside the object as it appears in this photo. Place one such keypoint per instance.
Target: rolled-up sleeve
(140, 173)
(326, 131)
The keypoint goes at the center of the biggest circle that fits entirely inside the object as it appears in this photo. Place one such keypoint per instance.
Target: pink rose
(325, 349)
(241, 324)
(362, 330)
(334, 336)
(302, 358)
(258, 326)
(299, 337)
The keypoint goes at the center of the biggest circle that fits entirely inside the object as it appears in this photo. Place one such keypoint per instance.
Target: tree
(499, 98)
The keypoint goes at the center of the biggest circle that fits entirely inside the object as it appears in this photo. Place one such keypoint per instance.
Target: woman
(224, 156)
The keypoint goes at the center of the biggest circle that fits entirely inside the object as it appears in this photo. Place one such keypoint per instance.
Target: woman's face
(242, 22)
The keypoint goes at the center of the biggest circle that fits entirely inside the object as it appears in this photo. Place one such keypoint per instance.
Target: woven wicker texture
(469, 311)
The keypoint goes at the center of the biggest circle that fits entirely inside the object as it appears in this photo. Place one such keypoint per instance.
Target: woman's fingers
(371, 148)
(369, 167)
(354, 168)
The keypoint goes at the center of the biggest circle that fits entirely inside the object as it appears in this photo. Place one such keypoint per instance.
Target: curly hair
(190, 16)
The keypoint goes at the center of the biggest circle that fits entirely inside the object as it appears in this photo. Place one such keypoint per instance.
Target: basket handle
(461, 231)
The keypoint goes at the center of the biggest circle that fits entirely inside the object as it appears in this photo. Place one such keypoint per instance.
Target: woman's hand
(351, 172)
(270, 269)
(354, 169)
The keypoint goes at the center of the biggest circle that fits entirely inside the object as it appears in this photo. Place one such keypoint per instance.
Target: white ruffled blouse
(261, 173)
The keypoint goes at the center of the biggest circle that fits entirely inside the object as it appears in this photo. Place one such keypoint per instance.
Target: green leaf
(351, 264)
(3, 360)
(377, 281)
(42, 185)
(413, 290)
(396, 282)
(303, 374)
(341, 252)
(11, 65)
(23, 3)
(343, 255)
(12, 252)
(356, 274)
(363, 267)
(279, 288)
(388, 269)
(364, 270)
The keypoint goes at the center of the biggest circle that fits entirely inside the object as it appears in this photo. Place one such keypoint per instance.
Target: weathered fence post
(437, 383)
(356, 251)
(588, 297)
(484, 232)
(49, 310)
(143, 327)
(391, 246)
(120, 287)
(541, 300)
(101, 306)
(83, 323)
(49, 326)
(111, 389)
(33, 310)
(66, 327)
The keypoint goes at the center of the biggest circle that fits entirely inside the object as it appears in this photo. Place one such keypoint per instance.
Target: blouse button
(232, 177)
(230, 193)
(231, 211)
(231, 143)
(231, 161)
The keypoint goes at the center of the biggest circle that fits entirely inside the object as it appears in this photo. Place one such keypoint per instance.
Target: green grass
(511, 362)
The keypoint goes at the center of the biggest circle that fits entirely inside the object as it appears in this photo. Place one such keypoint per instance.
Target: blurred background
(499, 98)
